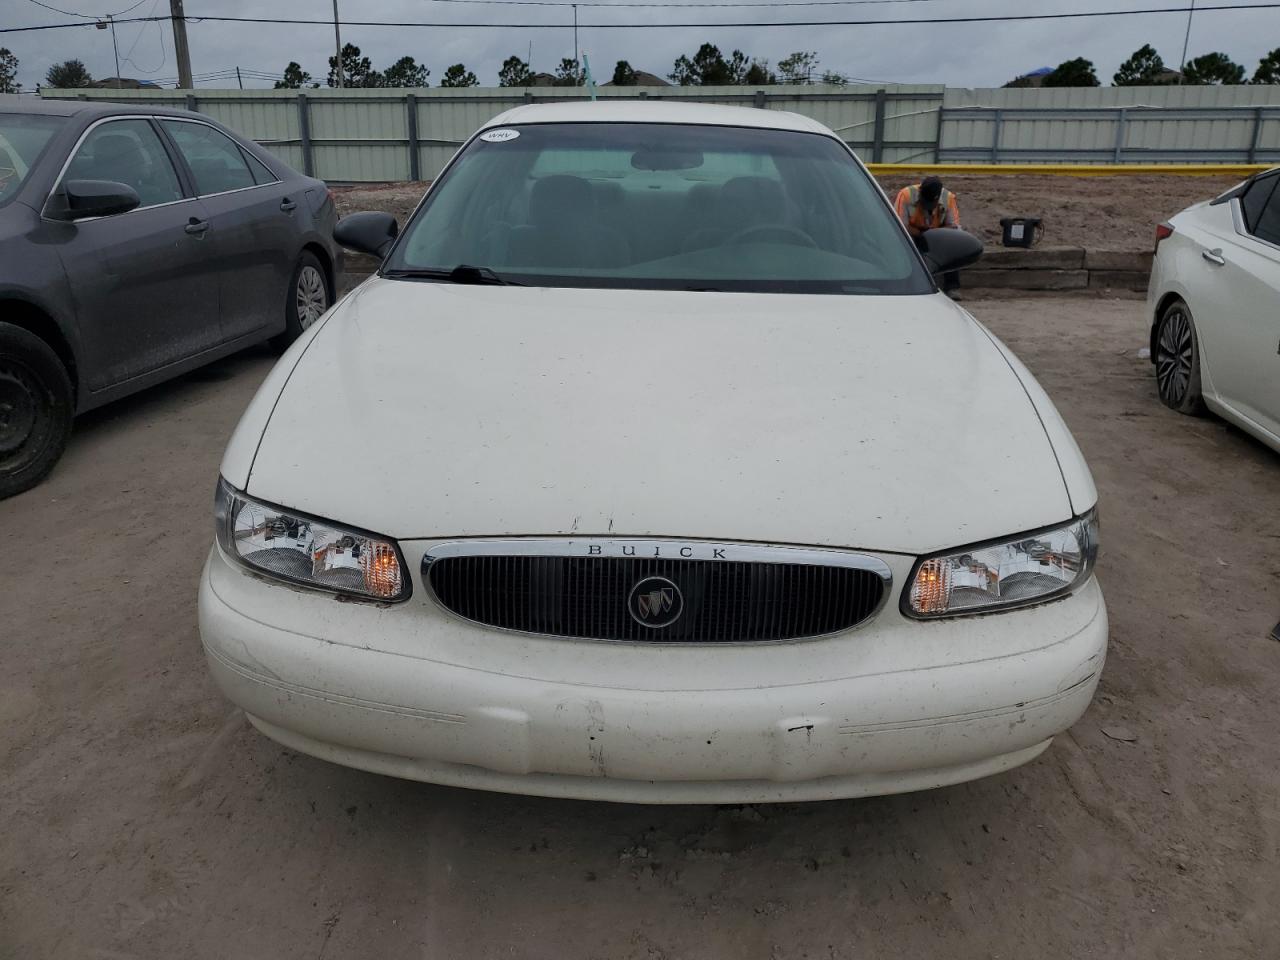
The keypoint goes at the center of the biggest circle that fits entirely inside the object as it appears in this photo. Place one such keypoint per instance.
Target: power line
(133, 46)
(921, 21)
(65, 13)
(87, 16)
(224, 73)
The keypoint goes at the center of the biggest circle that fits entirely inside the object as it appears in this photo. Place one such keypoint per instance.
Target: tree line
(707, 66)
(1147, 68)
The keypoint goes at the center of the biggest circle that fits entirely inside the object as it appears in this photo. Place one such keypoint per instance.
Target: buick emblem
(655, 602)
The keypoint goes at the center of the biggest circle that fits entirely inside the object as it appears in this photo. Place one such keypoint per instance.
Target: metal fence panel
(376, 134)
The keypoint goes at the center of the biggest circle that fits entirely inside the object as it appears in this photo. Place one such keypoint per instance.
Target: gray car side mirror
(94, 198)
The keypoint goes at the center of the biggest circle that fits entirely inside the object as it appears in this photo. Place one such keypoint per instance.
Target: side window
(1268, 224)
(216, 162)
(1254, 201)
(129, 152)
(259, 169)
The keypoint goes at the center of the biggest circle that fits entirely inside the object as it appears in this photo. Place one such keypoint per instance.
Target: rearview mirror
(96, 198)
(666, 159)
(947, 249)
(371, 232)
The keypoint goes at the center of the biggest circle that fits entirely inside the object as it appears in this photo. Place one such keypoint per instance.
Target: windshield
(666, 206)
(23, 137)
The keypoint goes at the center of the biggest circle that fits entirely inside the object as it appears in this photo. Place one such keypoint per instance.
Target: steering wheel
(779, 230)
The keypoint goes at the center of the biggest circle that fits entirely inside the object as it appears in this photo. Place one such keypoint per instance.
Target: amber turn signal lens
(381, 570)
(931, 588)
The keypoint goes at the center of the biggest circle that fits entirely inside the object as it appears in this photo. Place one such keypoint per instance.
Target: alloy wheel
(1174, 357)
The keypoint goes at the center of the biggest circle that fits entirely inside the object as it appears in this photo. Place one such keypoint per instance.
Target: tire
(36, 406)
(1177, 360)
(307, 300)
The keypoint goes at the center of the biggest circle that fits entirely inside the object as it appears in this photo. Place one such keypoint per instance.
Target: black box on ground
(1020, 231)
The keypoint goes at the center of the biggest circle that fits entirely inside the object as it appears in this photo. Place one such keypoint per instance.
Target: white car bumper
(412, 692)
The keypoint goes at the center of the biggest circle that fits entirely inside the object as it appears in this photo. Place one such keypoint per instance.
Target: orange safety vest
(945, 213)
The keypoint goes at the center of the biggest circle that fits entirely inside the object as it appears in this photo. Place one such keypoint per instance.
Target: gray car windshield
(23, 137)
(664, 206)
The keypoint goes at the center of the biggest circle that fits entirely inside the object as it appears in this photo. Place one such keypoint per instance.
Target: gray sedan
(136, 244)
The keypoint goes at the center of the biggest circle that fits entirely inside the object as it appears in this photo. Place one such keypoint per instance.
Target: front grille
(718, 600)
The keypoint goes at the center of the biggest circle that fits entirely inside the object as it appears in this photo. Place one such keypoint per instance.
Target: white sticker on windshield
(499, 136)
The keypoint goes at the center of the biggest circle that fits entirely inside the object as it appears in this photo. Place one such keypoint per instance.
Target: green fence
(385, 135)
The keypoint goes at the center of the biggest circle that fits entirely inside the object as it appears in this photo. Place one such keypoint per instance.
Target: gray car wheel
(36, 405)
(307, 301)
(311, 294)
(1177, 360)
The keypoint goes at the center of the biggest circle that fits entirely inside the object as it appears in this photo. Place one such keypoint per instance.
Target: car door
(253, 226)
(144, 297)
(1241, 333)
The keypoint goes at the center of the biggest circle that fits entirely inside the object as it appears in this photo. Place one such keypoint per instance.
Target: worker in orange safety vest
(928, 206)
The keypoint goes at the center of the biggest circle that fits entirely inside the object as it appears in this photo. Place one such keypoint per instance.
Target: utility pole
(115, 49)
(180, 49)
(1191, 12)
(578, 78)
(238, 80)
(337, 42)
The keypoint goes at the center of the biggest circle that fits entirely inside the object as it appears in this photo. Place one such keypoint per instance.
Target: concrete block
(1118, 260)
(1033, 258)
(1026, 279)
(1119, 279)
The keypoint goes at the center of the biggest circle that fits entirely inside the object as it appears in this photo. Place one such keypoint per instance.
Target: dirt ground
(398, 199)
(144, 818)
(1099, 213)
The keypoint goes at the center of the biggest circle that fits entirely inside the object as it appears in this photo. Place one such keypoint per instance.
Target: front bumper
(412, 692)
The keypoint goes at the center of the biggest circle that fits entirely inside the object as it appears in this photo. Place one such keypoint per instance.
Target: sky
(958, 55)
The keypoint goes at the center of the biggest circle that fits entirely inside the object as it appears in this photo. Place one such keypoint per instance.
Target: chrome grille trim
(865, 582)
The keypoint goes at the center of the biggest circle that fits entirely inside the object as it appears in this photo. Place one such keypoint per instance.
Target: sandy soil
(144, 818)
(1101, 213)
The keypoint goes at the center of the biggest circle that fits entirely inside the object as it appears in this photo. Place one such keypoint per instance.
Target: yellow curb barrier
(1241, 170)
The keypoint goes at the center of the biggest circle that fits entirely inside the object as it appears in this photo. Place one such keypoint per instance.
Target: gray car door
(253, 225)
(141, 283)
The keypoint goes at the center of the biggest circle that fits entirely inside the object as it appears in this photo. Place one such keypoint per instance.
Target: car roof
(88, 108)
(611, 110)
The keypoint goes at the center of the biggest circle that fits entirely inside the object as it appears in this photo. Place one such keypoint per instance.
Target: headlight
(314, 553)
(1027, 569)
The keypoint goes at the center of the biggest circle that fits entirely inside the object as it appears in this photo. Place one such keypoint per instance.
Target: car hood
(426, 410)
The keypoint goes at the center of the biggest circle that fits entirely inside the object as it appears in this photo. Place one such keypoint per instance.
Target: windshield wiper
(462, 273)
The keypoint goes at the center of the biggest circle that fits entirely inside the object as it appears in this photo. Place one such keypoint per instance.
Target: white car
(1214, 306)
(653, 466)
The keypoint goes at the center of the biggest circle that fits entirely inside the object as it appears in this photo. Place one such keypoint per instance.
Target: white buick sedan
(653, 466)
(1214, 307)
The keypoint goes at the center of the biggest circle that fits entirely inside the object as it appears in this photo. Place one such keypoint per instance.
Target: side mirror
(95, 198)
(946, 249)
(370, 232)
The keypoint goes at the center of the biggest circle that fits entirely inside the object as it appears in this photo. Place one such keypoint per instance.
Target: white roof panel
(655, 111)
